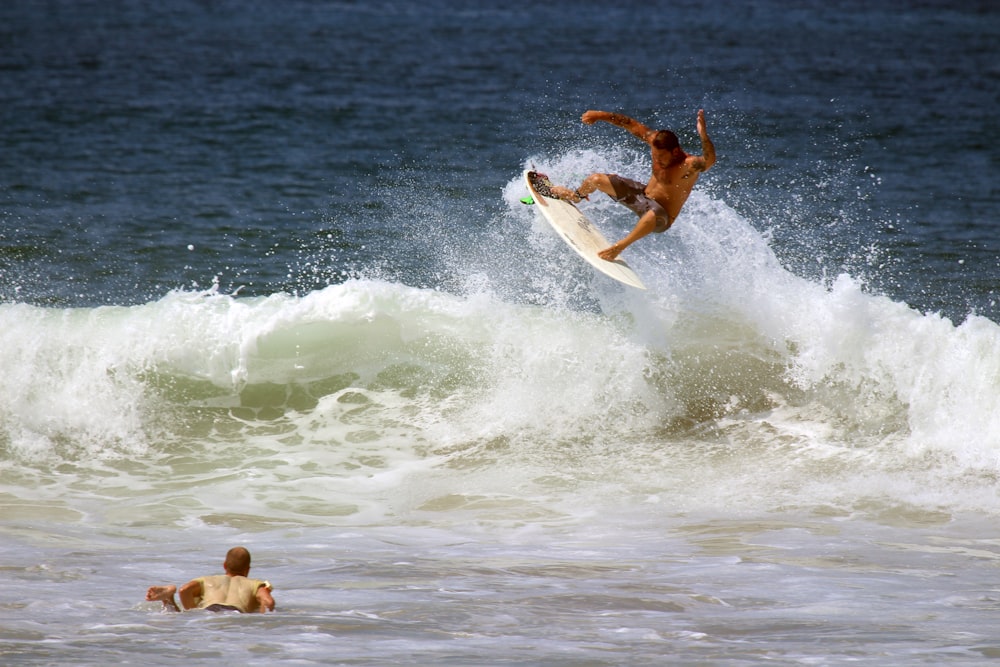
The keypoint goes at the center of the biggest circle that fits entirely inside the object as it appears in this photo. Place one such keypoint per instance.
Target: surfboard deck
(576, 230)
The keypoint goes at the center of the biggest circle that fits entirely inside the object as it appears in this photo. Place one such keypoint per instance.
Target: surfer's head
(665, 140)
(237, 561)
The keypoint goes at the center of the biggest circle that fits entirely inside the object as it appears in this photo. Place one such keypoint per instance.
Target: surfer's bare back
(659, 202)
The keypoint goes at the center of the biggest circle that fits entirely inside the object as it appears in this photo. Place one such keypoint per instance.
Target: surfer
(659, 202)
(231, 591)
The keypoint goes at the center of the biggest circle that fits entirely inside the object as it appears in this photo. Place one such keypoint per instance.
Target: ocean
(265, 280)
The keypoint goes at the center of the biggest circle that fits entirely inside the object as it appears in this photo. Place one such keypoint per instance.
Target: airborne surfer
(659, 202)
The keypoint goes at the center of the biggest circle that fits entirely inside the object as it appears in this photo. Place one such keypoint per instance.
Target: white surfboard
(576, 230)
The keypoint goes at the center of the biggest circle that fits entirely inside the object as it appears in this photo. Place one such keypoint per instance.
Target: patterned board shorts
(632, 195)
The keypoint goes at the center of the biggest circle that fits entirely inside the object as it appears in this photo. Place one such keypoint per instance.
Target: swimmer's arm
(634, 127)
(264, 599)
(190, 593)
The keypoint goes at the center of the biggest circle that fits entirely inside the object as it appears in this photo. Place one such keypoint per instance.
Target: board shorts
(632, 195)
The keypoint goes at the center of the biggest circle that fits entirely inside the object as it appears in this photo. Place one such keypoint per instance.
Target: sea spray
(731, 378)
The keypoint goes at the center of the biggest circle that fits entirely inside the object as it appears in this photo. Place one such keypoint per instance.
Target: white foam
(727, 358)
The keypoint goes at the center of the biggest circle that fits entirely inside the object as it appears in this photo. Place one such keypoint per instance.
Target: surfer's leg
(164, 594)
(596, 182)
(646, 224)
(591, 184)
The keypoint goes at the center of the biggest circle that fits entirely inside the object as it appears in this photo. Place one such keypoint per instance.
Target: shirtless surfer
(659, 202)
(231, 591)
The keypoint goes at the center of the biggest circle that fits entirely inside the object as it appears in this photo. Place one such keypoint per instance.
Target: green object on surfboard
(527, 200)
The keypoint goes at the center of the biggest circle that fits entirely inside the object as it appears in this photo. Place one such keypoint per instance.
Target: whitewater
(726, 345)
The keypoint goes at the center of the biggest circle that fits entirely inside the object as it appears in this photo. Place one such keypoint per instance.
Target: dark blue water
(292, 144)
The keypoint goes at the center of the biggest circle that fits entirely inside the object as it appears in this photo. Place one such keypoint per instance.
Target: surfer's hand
(590, 117)
(701, 121)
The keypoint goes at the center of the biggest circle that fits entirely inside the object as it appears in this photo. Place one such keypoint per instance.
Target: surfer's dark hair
(666, 140)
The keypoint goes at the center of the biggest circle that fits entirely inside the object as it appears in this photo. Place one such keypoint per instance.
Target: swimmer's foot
(610, 254)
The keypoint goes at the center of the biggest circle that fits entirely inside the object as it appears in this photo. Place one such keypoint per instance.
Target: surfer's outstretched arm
(707, 147)
(633, 126)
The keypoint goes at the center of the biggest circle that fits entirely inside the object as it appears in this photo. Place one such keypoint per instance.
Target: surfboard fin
(529, 200)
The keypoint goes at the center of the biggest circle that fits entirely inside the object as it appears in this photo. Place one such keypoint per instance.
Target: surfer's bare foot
(565, 193)
(610, 254)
